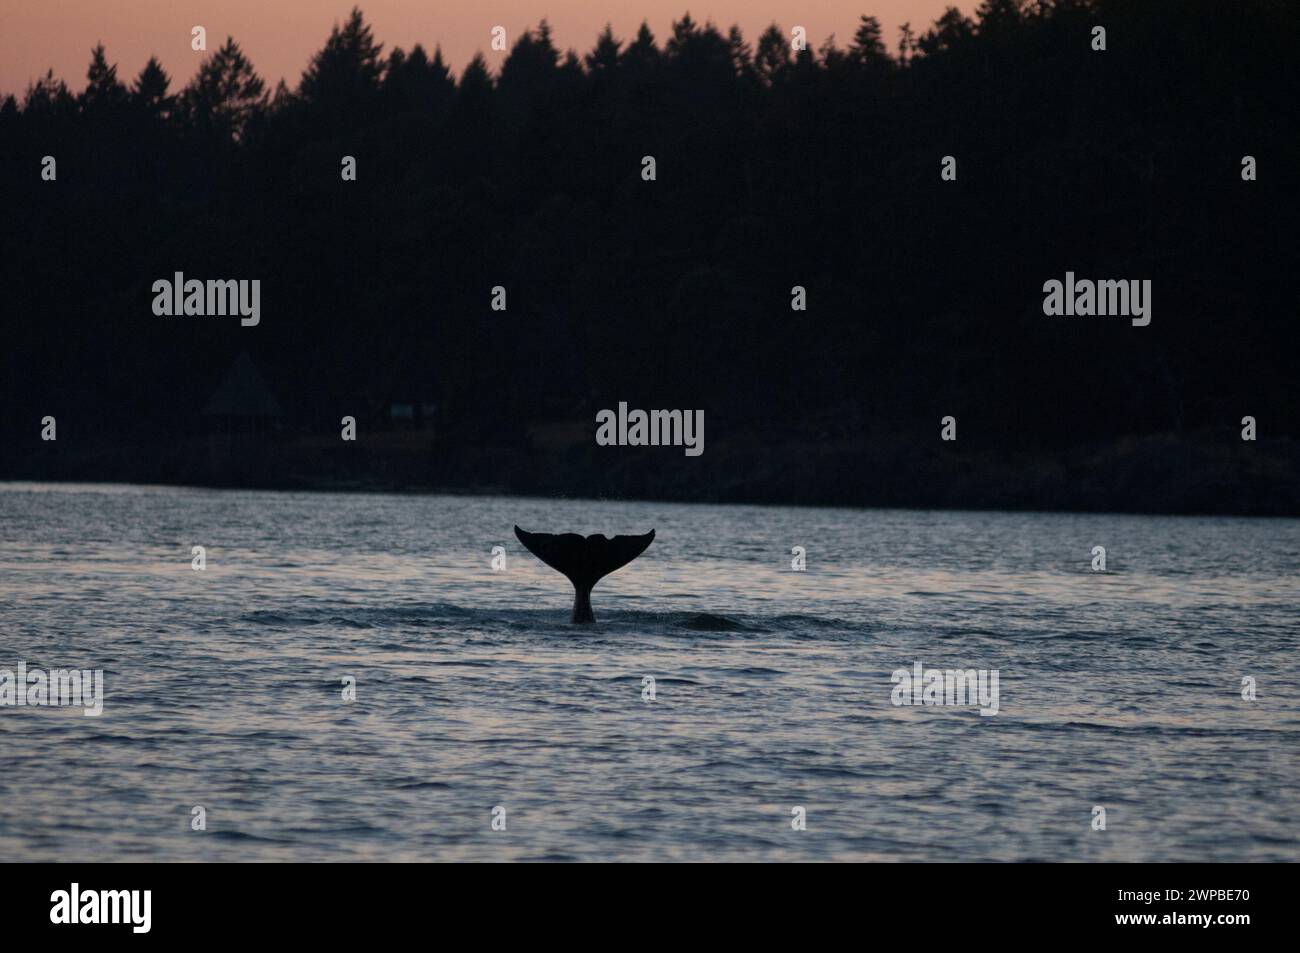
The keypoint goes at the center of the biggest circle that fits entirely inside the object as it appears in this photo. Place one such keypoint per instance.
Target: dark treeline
(818, 168)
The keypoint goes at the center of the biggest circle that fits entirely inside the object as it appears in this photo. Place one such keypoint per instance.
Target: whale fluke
(584, 560)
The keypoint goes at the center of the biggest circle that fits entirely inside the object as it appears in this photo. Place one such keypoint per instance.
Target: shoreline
(1151, 476)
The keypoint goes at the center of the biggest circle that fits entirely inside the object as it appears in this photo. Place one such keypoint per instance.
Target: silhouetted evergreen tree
(225, 96)
(414, 83)
(868, 49)
(149, 92)
(473, 108)
(342, 84)
(602, 61)
(642, 55)
(527, 83)
(48, 97)
(103, 95)
(948, 33)
(772, 57)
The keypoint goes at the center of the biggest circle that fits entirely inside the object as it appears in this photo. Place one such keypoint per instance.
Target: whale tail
(585, 560)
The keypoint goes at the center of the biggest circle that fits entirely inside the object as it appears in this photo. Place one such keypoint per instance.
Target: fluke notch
(585, 560)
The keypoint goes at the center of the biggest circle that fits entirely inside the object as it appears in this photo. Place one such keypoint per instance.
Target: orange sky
(280, 35)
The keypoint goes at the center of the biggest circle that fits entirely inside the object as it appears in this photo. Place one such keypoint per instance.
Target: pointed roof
(242, 393)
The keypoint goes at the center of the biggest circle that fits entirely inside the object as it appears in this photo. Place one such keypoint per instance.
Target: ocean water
(223, 687)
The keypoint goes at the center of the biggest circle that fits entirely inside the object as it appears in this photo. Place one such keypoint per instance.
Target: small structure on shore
(242, 419)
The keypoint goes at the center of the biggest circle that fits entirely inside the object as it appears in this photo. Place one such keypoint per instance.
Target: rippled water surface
(223, 687)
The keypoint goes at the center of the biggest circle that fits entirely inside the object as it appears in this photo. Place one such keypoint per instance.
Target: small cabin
(241, 419)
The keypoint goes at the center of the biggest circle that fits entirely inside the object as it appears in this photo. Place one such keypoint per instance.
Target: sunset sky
(280, 35)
